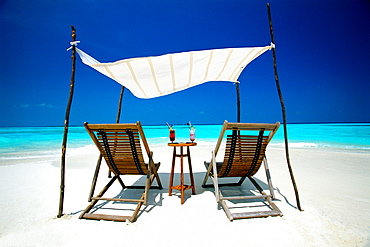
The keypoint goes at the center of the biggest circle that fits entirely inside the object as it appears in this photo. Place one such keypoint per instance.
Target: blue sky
(323, 50)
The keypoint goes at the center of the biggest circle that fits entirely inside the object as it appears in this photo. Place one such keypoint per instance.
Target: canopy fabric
(150, 77)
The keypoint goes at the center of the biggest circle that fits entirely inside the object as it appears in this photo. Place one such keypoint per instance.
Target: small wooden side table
(182, 187)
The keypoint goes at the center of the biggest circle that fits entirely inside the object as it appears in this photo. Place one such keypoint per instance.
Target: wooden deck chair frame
(120, 146)
(244, 155)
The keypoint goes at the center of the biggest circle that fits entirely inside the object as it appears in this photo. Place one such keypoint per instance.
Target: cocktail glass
(172, 135)
(192, 135)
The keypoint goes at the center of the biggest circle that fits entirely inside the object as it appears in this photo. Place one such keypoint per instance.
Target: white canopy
(149, 77)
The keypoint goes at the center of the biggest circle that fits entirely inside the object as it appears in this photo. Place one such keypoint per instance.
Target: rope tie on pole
(73, 43)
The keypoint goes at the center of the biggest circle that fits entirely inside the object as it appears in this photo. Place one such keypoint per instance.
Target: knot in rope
(73, 43)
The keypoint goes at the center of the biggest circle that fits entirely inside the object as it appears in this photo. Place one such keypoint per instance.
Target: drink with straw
(172, 133)
(192, 132)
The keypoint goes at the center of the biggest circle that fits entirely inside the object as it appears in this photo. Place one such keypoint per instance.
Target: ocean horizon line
(180, 124)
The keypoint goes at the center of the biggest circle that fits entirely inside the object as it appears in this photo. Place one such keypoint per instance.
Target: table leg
(191, 173)
(182, 176)
(172, 172)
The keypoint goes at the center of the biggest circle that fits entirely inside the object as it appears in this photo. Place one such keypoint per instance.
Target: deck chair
(120, 146)
(244, 153)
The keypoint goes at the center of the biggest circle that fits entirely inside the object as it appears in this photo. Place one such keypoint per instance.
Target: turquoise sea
(34, 144)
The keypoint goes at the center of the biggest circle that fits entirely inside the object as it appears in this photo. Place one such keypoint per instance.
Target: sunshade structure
(150, 77)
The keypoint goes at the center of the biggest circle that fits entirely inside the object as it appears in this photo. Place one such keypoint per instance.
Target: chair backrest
(120, 146)
(245, 148)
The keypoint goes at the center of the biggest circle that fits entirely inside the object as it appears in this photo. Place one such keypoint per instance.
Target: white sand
(333, 186)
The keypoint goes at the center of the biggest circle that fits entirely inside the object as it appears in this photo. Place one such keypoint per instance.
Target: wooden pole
(120, 104)
(283, 111)
(118, 115)
(66, 124)
(238, 101)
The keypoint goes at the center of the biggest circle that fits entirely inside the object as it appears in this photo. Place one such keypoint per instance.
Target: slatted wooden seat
(120, 146)
(244, 154)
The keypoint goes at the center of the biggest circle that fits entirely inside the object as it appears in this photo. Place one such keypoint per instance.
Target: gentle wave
(88, 149)
(295, 145)
(320, 145)
(45, 156)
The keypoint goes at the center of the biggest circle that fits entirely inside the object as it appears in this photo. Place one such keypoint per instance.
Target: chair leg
(209, 169)
(137, 210)
(259, 188)
(95, 178)
(153, 177)
(241, 181)
(92, 204)
(146, 190)
(207, 175)
(86, 215)
(226, 208)
(215, 178)
(156, 176)
(269, 182)
(148, 178)
(121, 182)
(227, 211)
(158, 180)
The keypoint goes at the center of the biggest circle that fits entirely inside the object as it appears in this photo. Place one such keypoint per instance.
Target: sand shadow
(246, 189)
(132, 191)
(285, 198)
(157, 196)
